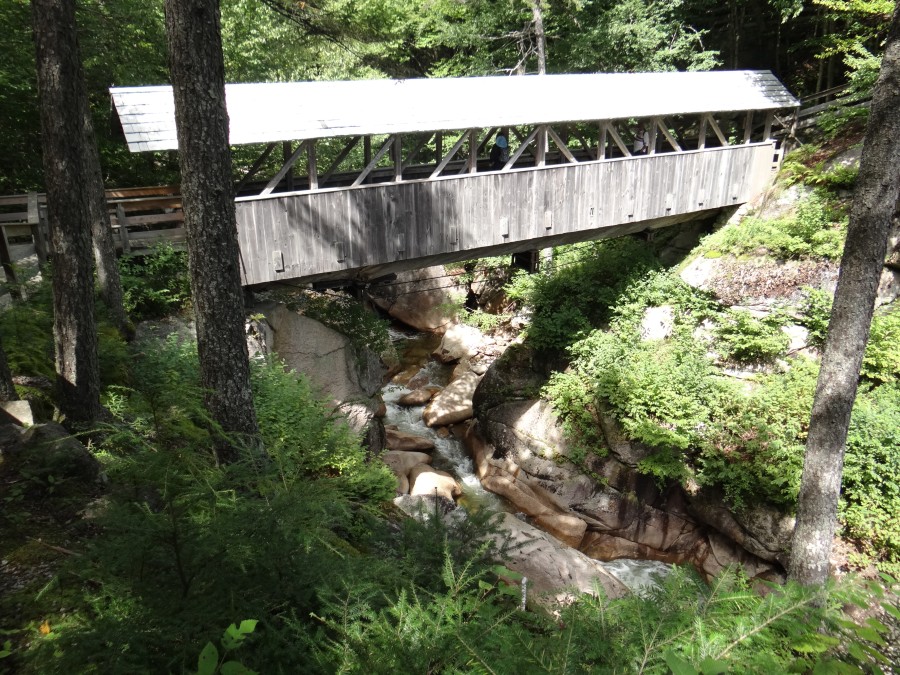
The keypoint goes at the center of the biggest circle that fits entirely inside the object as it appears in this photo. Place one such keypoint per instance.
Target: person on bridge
(499, 153)
(641, 140)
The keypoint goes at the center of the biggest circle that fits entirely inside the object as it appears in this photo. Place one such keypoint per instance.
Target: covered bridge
(378, 176)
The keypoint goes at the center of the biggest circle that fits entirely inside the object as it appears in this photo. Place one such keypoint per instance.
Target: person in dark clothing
(499, 153)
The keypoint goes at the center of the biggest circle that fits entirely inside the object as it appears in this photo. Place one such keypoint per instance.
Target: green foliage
(753, 445)
(187, 541)
(211, 662)
(870, 495)
(484, 321)
(26, 329)
(817, 231)
(682, 626)
(815, 314)
(882, 359)
(155, 284)
(743, 338)
(579, 294)
(364, 328)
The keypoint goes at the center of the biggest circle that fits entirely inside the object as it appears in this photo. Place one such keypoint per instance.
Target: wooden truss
(423, 156)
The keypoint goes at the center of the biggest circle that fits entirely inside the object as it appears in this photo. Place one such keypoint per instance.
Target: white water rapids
(450, 455)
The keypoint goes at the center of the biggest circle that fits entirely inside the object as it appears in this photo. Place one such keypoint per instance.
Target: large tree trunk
(877, 194)
(104, 249)
(69, 213)
(198, 82)
(7, 389)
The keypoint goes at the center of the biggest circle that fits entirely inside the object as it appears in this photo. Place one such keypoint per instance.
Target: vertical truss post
(397, 157)
(540, 157)
(312, 169)
(286, 153)
(602, 142)
(748, 126)
(472, 161)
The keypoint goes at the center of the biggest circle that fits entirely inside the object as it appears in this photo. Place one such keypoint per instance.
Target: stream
(414, 350)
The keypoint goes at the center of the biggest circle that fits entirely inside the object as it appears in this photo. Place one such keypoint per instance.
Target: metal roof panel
(267, 112)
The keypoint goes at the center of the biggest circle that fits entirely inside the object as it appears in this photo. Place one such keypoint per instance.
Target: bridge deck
(368, 231)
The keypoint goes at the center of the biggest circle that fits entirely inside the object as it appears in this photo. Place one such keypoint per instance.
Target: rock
(427, 481)
(700, 272)
(459, 342)
(349, 380)
(419, 298)
(553, 569)
(889, 287)
(10, 440)
(418, 397)
(400, 462)
(424, 507)
(400, 440)
(657, 323)
(517, 375)
(419, 380)
(760, 529)
(568, 529)
(19, 411)
(49, 450)
(628, 451)
(798, 335)
(453, 404)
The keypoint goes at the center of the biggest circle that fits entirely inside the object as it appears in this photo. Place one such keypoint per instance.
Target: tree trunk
(69, 213)
(7, 389)
(104, 249)
(198, 82)
(539, 38)
(877, 195)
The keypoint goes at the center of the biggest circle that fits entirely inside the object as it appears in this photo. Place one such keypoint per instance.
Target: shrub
(742, 338)
(882, 359)
(365, 329)
(870, 495)
(579, 294)
(817, 231)
(155, 284)
(815, 312)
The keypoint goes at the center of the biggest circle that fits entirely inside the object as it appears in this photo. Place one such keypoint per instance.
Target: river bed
(414, 350)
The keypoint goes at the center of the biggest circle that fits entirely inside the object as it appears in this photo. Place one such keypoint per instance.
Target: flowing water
(450, 454)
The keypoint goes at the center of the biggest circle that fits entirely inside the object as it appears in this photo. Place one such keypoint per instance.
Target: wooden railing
(140, 218)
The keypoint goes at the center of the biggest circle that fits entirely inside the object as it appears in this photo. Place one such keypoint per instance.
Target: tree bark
(540, 39)
(7, 389)
(101, 233)
(877, 195)
(198, 81)
(61, 94)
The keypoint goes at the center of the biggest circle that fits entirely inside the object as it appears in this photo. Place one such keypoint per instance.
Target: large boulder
(553, 569)
(418, 298)
(454, 403)
(349, 379)
(401, 440)
(424, 480)
(459, 342)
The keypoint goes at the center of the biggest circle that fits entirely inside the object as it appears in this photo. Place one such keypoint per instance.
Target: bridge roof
(281, 111)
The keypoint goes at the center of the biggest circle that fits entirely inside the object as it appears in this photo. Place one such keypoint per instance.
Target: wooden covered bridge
(378, 176)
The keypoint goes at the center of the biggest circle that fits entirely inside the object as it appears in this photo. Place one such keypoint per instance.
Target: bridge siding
(375, 222)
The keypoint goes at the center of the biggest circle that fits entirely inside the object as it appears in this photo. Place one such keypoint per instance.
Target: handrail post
(37, 228)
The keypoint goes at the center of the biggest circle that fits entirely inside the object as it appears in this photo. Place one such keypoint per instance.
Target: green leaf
(832, 667)
(710, 666)
(248, 626)
(236, 668)
(209, 659)
(891, 609)
(483, 585)
(870, 635)
(678, 665)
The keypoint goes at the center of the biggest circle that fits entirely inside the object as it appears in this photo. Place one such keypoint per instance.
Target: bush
(579, 294)
(365, 329)
(817, 231)
(188, 544)
(870, 495)
(742, 338)
(155, 284)
(815, 314)
(882, 359)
